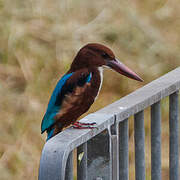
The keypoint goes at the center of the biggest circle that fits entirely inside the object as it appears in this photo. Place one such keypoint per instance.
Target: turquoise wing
(52, 108)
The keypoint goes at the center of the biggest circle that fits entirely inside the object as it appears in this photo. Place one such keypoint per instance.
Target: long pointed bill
(122, 69)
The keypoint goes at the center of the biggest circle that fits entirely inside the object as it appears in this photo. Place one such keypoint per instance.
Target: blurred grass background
(38, 40)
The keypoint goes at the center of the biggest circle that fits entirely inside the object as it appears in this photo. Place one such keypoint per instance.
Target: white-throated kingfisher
(77, 90)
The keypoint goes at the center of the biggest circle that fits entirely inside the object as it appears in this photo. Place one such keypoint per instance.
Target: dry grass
(39, 40)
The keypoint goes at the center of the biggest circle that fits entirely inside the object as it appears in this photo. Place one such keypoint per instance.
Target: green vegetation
(38, 42)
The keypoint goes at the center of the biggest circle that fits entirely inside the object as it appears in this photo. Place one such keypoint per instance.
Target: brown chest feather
(79, 101)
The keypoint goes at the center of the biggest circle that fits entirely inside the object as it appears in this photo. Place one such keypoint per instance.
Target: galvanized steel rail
(102, 153)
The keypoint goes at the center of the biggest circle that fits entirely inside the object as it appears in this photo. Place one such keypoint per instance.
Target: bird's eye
(105, 55)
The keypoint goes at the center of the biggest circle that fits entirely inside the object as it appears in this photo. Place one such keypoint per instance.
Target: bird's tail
(57, 128)
(50, 133)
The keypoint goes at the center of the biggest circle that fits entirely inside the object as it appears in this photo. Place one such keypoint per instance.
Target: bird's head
(98, 55)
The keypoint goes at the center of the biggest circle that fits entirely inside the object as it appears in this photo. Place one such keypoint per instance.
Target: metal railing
(103, 152)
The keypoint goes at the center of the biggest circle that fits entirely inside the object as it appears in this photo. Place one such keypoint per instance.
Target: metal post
(174, 132)
(114, 157)
(69, 167)
(82, 162)
(139, 136)
(156, 141)
(123, 150)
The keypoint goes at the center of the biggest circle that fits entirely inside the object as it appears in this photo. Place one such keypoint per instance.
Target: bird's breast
(100, 69)
(96, 82)
(80, 99)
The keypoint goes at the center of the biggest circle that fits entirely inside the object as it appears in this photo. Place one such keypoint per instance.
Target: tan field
(38, 40)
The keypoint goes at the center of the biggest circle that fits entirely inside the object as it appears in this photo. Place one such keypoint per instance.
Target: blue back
(52, 109)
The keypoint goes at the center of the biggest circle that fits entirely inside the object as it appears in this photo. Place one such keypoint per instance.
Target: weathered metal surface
(174, 137)
(123, 150)
(114, 157)
(139, 137)
(156, 141)
(98, 157)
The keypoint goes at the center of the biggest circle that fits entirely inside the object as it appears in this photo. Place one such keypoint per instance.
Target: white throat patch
(100, 69)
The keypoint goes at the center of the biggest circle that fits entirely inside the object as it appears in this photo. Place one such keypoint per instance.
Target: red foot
(85, 124)
(78, 125)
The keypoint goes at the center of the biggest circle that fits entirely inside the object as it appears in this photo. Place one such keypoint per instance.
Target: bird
(77, 90)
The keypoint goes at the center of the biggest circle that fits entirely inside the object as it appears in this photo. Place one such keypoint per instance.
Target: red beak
(122, 69)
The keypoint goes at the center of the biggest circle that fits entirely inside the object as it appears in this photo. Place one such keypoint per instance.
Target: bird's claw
(79, 125)
(85, 124)
(83, 127)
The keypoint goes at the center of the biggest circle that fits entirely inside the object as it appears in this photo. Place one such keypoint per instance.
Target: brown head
(98, 55)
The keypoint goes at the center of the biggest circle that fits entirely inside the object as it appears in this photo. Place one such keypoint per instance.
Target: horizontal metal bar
(123, 150)
(174, 137)
(145, 96)
(156, 141)
(139, 136)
